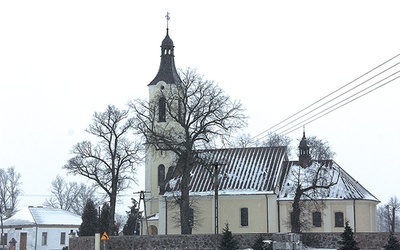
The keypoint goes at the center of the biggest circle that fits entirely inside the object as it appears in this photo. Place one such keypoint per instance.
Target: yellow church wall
(361, 215)
(229, 212)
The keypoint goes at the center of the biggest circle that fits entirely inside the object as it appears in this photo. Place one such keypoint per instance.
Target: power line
(285, 123)
(326, 103)
(288, 131)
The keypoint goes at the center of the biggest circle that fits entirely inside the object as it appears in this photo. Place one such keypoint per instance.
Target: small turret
(304, 152)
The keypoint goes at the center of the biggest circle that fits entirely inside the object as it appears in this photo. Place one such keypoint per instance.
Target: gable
(241, 171)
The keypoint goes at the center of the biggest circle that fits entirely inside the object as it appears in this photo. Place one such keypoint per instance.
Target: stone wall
(367, 241)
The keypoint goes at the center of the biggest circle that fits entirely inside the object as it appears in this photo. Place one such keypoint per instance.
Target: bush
(228, 242)
(393, 243)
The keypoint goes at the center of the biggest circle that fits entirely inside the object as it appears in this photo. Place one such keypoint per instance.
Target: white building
(41, 228)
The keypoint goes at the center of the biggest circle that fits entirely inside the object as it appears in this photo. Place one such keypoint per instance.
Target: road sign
(104, 236)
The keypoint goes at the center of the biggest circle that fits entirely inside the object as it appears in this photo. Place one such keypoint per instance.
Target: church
(252, 190)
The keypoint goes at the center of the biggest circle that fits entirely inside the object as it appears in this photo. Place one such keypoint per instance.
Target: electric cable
(330, 94)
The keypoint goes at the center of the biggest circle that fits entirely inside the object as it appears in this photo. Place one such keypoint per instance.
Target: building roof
(167, 71)
(263, 170)
(42, 216)
(346, 188)
(241, 171)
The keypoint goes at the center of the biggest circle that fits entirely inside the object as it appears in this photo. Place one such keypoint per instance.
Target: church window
(161, 174)
(4, 239)
(62, 238)
(339, 221)
(244, 217)
(44, 238)
(316, 219)
(162, 109)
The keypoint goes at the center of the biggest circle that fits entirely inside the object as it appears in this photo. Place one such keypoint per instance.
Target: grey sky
(62, 61)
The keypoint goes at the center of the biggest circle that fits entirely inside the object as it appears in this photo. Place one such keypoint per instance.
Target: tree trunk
(186, 227)
(113, 201)
(295, 216)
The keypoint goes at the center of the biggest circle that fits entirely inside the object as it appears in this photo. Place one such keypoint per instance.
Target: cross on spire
(167, 17)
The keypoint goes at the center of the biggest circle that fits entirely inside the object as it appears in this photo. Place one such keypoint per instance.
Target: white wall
(53, 237)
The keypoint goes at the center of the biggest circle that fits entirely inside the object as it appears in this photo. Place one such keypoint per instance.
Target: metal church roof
(241, 171)
(346, 188)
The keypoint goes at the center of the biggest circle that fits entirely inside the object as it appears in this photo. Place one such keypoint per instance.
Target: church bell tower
(158, 162)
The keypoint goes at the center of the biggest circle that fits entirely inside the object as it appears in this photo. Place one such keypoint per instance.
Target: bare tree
(111, 162)
(10, 190)
(243, 141)
(388, 217)
(276, 140)
(392, 207)
(71, 196)
(199, 113)
(310, 183)
(319, 149)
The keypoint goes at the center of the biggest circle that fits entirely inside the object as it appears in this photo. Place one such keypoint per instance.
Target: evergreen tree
(132, 226)
(104, 225)
(259, 244)
(89, 224)
(393, 243)
(348, 242)
(228, 242)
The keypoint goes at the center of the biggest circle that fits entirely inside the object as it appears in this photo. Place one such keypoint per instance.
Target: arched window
(162, 109)
(161, 175)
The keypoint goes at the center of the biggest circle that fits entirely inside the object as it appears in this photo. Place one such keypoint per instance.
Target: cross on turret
(167, 17)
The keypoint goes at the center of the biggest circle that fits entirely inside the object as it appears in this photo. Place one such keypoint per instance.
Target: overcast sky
(60, 61)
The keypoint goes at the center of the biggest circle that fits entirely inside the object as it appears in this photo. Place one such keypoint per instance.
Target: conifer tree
(348, 242)
(228, 242)
(89, 224)
(104, 225)
(393, 243)
(259, 243)
(132, 226)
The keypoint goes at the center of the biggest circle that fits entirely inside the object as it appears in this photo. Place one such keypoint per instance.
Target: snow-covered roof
(346, 187)
(41, 216)
(241, 171)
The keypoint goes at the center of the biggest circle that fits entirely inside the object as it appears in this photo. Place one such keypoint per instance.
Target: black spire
(304, 151)
(167, 71)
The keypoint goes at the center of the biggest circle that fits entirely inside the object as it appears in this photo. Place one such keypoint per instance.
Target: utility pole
(2, 228)
(142, 198)
(216, 219)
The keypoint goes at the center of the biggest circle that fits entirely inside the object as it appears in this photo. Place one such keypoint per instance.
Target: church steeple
(304, 151)
(167, 71)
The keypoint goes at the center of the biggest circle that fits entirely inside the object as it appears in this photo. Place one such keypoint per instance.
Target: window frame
(162, 109)
(317, 219)
(339, 222)
(44, 238)
(63, 237)
(244, 217)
